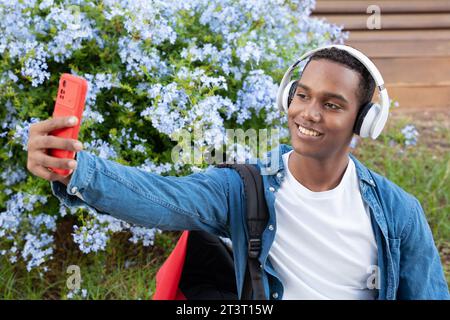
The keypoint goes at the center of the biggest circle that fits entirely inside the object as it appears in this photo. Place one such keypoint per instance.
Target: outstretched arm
(196, 201)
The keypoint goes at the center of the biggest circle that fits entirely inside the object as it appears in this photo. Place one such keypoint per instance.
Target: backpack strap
(257, 217)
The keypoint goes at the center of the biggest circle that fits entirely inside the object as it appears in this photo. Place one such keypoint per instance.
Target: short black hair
(366, 83)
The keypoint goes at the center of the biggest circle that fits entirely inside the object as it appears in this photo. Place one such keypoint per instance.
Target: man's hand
(39, 141)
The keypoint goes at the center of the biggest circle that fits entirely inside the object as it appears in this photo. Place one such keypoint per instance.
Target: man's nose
(311, 111)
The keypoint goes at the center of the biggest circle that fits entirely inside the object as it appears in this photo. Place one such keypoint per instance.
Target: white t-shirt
(324, 247)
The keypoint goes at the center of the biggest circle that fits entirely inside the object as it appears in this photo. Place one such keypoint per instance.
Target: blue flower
(136, 58)
(90, 238)
(73, 27)
(249, 52)
(411, 134)
(258, 92)
(37, 249)
(12, 175)
(150, 166)
(144, 235)
(166, 113)
(22, 132)
(102, 148)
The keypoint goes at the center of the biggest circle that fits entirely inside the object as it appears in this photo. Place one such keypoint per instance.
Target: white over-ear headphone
(371, 118)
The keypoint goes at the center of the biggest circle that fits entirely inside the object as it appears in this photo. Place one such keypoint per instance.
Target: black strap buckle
(254, 248)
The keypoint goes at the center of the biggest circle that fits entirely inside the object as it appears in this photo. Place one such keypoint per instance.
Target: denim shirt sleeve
(421, 273)
(195, 202)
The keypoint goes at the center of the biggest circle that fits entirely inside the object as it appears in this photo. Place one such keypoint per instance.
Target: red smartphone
(70, 101)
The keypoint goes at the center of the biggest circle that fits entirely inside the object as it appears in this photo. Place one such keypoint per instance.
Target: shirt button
(74, 190)
(271, 227)
(279, 175)
(271, 189)
(275, 295)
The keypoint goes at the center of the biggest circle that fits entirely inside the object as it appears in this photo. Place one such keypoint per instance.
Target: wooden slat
(419, 84)
(386, 6)
(417, 35)
(421, 97)
(430, 71)
(392, 21)
(408, 48)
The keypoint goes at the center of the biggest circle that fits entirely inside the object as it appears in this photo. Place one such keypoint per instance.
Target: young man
(336, 230)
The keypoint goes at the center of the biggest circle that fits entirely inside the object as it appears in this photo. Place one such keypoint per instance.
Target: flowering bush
(154, 67)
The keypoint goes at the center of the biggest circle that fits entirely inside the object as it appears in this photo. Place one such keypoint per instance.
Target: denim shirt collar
(271, 168)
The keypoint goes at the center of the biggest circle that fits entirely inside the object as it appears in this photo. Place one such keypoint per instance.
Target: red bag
(169, 274)
(202, 267)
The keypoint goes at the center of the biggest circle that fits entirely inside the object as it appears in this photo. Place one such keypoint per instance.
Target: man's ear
(292, 91)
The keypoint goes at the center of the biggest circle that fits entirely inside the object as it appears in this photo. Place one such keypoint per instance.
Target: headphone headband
(380, 120)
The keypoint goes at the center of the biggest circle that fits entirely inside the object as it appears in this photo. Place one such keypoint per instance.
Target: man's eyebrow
(326, 94)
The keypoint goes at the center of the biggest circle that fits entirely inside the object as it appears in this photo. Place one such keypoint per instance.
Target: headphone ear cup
(288, 94)
(360, 120)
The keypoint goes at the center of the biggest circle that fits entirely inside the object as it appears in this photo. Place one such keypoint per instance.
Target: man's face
(326, 102)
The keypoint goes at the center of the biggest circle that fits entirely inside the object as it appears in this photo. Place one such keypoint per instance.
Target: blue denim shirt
(409, 265)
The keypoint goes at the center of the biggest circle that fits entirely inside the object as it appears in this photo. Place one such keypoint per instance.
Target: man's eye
(301, 95)
(332, 106)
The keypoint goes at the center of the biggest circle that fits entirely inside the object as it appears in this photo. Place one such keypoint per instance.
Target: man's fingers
(47, 174)
(52, 142)
(48, 161)
(46, 126)
(40, 139)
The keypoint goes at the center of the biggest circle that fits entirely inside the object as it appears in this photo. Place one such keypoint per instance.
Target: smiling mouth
(308, 132)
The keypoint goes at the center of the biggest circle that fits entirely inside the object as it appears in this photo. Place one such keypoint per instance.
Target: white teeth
(308, 132)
